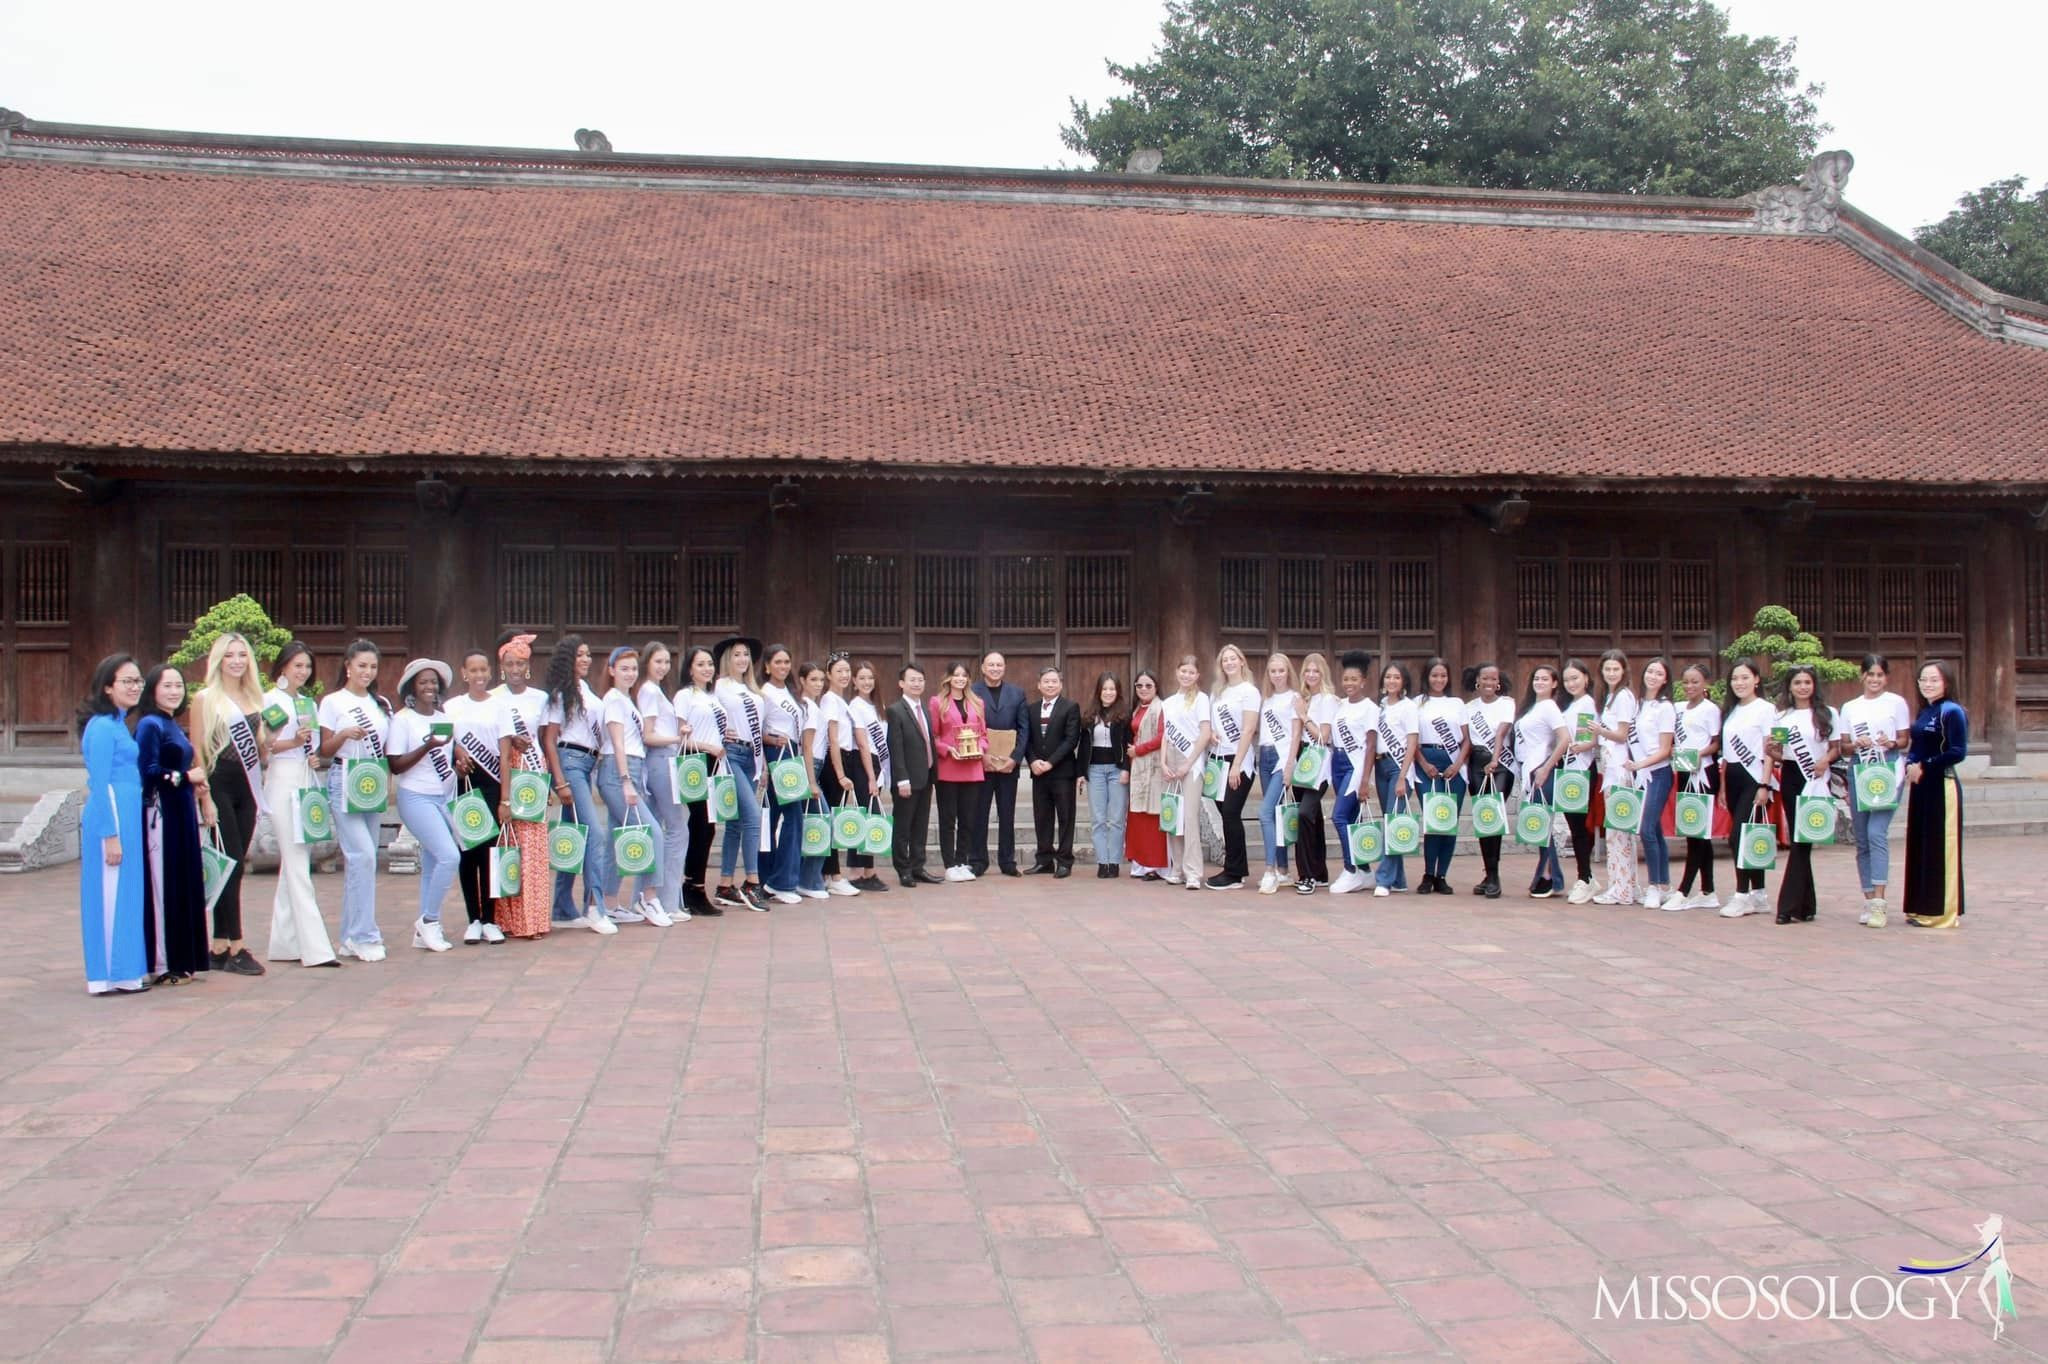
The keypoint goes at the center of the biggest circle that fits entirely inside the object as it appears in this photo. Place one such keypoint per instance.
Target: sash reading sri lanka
(243, 736)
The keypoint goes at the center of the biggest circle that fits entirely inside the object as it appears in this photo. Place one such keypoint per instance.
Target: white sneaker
(1876, 914)
(1286, 878)
(810, 894)
(658, 916)
(473, 934)
(1703, 900)
(953, 874)
(841, 886)
(1869, 907)
(493, 933)
(369, 951)
(1380, 892)
(1582, 893)
(1671, 904)
(629, 914)
(1652, 898)
(785, 897)
(1269, 883)
(597, 922)
(1739, 904)
(967, 873)
(1347, 882)
(1610, 896)
(429, 936)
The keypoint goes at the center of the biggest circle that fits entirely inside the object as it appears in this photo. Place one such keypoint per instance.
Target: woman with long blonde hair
(1279, 736)
(1317, 709)
(1235, 740)
(229, 736)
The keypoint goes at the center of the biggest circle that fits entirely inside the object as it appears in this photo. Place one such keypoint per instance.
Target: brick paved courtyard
(1028, 1120)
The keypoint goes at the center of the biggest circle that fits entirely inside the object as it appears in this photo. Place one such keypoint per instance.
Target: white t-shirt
(619, 710)
(278, 696)
(744, 711)
(835, 718)
(1353, 722)
(1579, 762)
(784, 712)
(814, 725)
(1656, 719)
(476, 731)
(433, 775)
(706, 719)
(1180, 724)
(1231, 704)
(1276, 719)
(579, 730)
(1804, 752)
(1483, 720)
(1867, 720)
(343, 709)
(868, 718)
(653, 704)
(1698, 726)
(1619, 713)
(1400, 725)
(1744, 733)
(1535, 740)
(517, 714)
(1322, 709)
(1441, 722)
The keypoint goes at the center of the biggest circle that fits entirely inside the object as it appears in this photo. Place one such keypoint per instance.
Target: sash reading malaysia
(243, 736)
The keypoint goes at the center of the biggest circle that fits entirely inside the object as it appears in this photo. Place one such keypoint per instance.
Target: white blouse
(618, 709)
(343, 709)
(1400, 724)
(1744, 733)
(434, 774)
(1231, 704)
(1180, 723)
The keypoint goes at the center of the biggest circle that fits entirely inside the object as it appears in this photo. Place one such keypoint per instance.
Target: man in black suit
(910, 762)
(1002, 706)
(1052, 738)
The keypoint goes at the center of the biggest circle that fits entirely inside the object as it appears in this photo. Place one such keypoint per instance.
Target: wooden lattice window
(1692, 596)
(191, 582)
(1942, 612)
(1894, 601)
(1098, 592)
(260, 573)
(1021, 595)
(42, 585)
(1592, 606)
(715, 589)
(1411, 596)
(317, 583)
(587, 576)
(870, 591)
(380, 589)
(651, 591)
(1243, 603)
(944, 594)
(1301, 601)
(1804, 596)
(1536, 596)
(1639, 604)
(1852, 601)
(1356, 596)
(525, 593)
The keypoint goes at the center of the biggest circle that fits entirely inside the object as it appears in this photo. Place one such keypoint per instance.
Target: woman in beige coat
(1144, 841)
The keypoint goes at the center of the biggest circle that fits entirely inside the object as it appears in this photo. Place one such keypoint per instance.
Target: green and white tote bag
(526, 795)
(504, 871)
(1757, 848)
(1693, 815)
(1532, 824)
(1311, 767)
(817, 831)
(1624, 809)
(692, 778)
(1290, 823)
(567, 844)
(790, 779)
(724, 796)
(879, 835)
(314, 822)
(1215, 774)
(1572, 793)
(1171, 812)
(1367, 841)
(366, 785)
(1877, 786)
(469, 815)
(215, 867)
(1404, 833)
(849, 828)
(1439, 813)
(1489, 815)
(1813, 820)
(636, 847)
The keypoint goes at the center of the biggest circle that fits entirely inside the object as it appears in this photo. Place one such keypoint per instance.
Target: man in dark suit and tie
(911, 763)
(1002, 706)
(1052, 738)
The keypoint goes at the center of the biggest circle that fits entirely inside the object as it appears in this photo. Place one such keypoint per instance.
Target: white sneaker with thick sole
(1380, 892)
(1869, 906)
(1582, 893)
(474, 934)
(1652, 898)
(785, 897)
(813, 894)
(429, 936)
(967, 873)
(953, 874)
(841, 886)
(493, 933)
(628, 914)
(1348, 882)
(599, 923)
(1876, 919)
(1170, 878)
(1268, 884)
(658, 916)
(370, 951)
(1703, 900)
(1740, 904)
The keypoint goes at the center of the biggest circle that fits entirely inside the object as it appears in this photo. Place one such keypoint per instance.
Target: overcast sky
(1930, 99)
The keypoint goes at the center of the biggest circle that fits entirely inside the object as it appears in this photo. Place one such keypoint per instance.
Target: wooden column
(1186, 619)
(1479, 581)
(1995, 591)
(795, 605)
(1749, 574)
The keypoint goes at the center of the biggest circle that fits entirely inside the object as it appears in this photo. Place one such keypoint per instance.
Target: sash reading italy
(566, 845)
(1573, 791)
(526, 796)
(1813, 820)
(1624, 809)
(469, 814)
(1877, 786)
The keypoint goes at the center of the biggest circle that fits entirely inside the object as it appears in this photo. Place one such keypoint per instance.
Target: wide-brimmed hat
(719, 650)
(420, 665)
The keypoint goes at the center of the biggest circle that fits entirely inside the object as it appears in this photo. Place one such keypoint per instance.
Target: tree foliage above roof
(1998, 235)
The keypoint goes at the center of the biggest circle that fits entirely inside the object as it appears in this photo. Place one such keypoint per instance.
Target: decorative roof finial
(591, 140)
(10, 119)
(1813, 204)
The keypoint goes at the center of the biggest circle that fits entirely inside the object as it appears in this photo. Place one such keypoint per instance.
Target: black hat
(718, 650)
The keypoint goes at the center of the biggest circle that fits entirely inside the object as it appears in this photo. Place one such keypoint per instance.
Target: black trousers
(1699, 852)
(697, 861)
(998, 792)
(235, 806)
(1796, 898)
(958, 801)
(1231, 807)
(913, 815)
(837, 795)
(1311, 850)
(1052, 814)
(1500, 783)
(1582, 842)
(473, 871)
(1742, 793)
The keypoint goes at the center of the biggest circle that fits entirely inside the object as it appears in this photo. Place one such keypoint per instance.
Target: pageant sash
(482, 754)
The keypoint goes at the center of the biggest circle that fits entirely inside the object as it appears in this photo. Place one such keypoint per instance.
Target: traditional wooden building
(420, 392)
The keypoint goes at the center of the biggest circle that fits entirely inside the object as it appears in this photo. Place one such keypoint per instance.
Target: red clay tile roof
(265, 315)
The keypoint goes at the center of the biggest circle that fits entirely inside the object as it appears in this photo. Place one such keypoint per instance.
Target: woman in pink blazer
(954, 711)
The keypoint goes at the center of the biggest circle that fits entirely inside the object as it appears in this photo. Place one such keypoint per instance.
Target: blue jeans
(1392, 871)
(1548, 868)
(1344, 813)
(786, 825)
(357, 835)
(1656, 849)
(1438, 848)
(742, 845)
(1873, 829)
(1272, 792)
(613, 792)
(440, 855)
(578, 768)
(674, 819)
(1109, 805)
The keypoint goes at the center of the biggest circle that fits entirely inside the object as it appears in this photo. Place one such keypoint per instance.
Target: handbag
(1757, 849)
(1489, 812)
(790, 779)
(1290, 823)
(1311, 767)
(1440, 812)
(879, 835)
(504, 871)
(1572, 793)
(636, 846)
(526, 795)
(849, 827)
(1367, 841)
(692, 781)
(1215, 772)
(724, 796)
(817, 831)
(1532, 824)
(469, 815)
(567, 844)
(1624, 809)
(365, 786)
(1877, 786)
(1813, 820)
(1693, 815)
(1404, 832)
(1170, 813)
(313, 820)
(215, 866)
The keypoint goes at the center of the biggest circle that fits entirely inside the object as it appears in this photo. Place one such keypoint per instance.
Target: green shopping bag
(1170, 812)
(504, 871)
(817, 832)
(526, 795)
(790, 779)
(1290, 823)
(1404, 833)
(1693, 816)
(1311, 766)
(469, 814)
(879, 837)
(636, 848)
(1532, 824)
(1439, 812)
(1813, 820)
(724, 797)
(1685, 760)
(215, 866)
(1215, 773)
(1757, 848)
(365, 786)
(849, 828)
(1489, 815)
(692, 778)
(1624, 809)
(1877, 786)
(1573, 791)
(314, 817)
(567, 844)
(1367, 841)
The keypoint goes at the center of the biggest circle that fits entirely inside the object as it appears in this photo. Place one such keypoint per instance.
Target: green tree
(1623, 96)
(1775, 639)
(240, 614)
(1998, 235)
